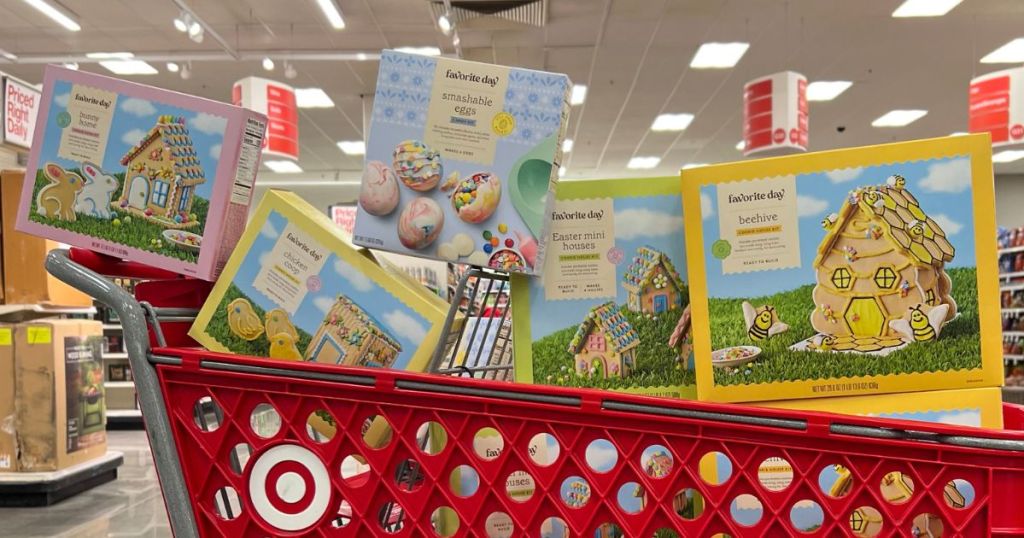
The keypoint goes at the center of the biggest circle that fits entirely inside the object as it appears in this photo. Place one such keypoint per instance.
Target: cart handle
(68, 268)
(113, 267)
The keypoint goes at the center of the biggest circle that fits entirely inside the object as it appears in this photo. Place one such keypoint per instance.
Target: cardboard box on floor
(59, 400)
(8, 442)
(25, 281)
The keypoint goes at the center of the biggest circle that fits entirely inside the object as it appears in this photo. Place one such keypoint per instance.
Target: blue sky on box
(133, 119)
(391, 314)
(942, 188)
(655, 221)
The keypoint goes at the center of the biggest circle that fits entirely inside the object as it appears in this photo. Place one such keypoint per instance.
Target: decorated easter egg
(418, 166)
(476, 197)
(420, 223)
(378, 194)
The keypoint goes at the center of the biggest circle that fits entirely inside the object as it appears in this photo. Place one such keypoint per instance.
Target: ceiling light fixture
(268, 64)
(109, 55)
(186, 71)
(424, 51)
(195, 29)
(567, 145)
(445, 24)
(688, 166)
(56, 13)
(312, 98)
(898, 118)
(561, 171)
(71, 65)
(925, 8)
(129, 67)
(352, 147)
(741, 145)
(456, 40)
(9, 55)
(579, 94)
(333, 13)
(1008, 156)
(826, 90)
(283, 167)
(362, 57)
(173, 67)
(180, 24)
(1010, 53)
(643, 163)
(958, 133)
(290, 72)
(718, 55)
(671, 122)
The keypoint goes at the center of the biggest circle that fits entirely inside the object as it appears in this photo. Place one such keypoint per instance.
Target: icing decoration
(418, 166)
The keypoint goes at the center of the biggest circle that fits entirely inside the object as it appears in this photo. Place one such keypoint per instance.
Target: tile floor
(129, 507)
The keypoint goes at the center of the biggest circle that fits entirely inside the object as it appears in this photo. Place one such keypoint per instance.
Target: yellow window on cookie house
(849, 272)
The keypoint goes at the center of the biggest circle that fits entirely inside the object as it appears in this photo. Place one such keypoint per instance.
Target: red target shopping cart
(252, 447)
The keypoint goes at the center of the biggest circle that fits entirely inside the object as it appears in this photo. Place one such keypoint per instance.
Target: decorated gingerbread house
(161, 174)
(348, 335)
(605, 343)
(881, 256)
(652, 283)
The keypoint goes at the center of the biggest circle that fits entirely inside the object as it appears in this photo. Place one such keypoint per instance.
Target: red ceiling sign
(994, 105)
(775, 114)
(277, 101)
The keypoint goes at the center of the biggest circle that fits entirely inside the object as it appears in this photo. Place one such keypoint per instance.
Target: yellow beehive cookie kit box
(848, 272)
(295, 289)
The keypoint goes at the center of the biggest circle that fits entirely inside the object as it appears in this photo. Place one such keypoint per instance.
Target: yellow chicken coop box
(294, 289)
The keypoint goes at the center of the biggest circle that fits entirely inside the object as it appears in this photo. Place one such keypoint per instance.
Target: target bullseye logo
(289, 487)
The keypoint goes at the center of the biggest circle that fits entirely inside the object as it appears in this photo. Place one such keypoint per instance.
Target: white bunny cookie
(94, 200)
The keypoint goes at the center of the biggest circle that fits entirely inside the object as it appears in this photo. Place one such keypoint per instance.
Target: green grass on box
(957, 348)
(128, 230)
(656, 363)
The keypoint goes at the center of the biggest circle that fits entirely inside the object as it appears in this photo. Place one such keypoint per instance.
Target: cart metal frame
(138, 318)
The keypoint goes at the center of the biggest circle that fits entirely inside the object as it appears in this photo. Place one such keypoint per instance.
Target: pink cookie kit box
(460, 161)
(140, 173)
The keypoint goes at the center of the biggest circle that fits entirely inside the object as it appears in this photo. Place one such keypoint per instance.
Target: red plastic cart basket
(252, 447)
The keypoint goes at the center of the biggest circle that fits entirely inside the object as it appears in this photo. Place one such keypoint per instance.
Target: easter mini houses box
(295, 289)
(845, 273)
(140, 173)
(461, 161)
(610, 308)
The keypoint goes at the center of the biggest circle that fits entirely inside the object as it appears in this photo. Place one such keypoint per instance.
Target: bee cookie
(762, 322)
(919, 326)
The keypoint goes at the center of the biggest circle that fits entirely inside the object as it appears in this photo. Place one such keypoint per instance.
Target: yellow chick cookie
(282, 347)
(277, 322)
(243, 320)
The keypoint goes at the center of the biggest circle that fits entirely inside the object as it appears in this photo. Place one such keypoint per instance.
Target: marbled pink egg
(378, 194)
(420, 223)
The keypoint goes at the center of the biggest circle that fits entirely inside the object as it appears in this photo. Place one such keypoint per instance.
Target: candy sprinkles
(418, 166)
(476, 197)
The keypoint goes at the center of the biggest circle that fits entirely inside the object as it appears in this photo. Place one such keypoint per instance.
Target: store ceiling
(633, 55)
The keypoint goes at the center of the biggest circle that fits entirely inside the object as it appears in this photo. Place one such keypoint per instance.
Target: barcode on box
(248, 158)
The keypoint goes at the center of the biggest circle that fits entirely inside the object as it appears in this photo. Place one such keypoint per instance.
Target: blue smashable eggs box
(462, 161)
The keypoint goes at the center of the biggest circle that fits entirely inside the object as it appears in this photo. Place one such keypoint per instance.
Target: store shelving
(1011, 250)
(46, 488)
